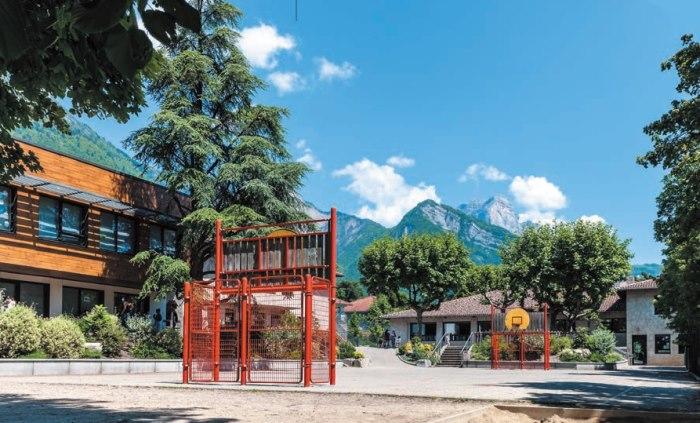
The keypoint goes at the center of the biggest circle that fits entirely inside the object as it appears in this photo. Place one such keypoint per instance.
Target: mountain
(355, 233)
(84, 143)
(652, 269)
(496, 210)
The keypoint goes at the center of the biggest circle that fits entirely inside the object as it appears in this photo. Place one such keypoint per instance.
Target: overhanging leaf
(93, 16)
(13, 34)
(159, 24)
(128, 50)
(184, 14)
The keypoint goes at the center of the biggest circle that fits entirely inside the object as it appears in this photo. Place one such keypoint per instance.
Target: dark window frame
(117, 217)
(657, 341)
(655, 304)
(423, 334)
(162, 229)
(18, 289)
(13, 210)
(81, 312)
(59, 222)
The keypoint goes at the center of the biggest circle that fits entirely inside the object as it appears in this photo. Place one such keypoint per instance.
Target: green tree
(212, 141)
(495, 285)
(676, 149)
(350, 290)
(418, 271)
(355, 328)
(570, 266)
(376, 322)
(91, 52)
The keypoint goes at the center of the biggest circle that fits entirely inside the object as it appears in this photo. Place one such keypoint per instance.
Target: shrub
(149, 350)
(612, 357)
(578, 354)
(37, 354)
(100, 326)
(406, 348)
(346, 350)
(481, 350)
(601, 341)
(580, 338)
(139, 328)
(19, 331)
(89, 353)
(170, 341)
(534, 343)
(61, 337)
(358, 355)
(559, 343)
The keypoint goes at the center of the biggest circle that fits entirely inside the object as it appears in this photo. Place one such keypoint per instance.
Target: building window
(7, 209)
(662, 344)
(162, 240)
(426, 331)
(35, 295)
(681, 348)
(117, 233)
(78, 301)
(61, 221)
(483, 326)
(615, 324)
(138, 306)
(656, 305)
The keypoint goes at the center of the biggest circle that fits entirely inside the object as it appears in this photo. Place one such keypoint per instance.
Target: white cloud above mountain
(262, 43)
(480, 170)
(286, 82)
(385, 194)
(540, 198)
(307, 156)
(328, 71)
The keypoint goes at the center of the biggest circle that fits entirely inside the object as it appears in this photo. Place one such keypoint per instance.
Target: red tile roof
(612, 303)
(360, 305)
(645, 284)
(473, 305)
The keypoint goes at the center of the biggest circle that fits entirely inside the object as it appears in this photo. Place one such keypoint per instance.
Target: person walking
(387, 339)
(392, 338)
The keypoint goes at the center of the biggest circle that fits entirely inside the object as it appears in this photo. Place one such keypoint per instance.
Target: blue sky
(542, 102)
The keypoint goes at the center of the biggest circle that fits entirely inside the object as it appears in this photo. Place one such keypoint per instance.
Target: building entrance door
(639, 349)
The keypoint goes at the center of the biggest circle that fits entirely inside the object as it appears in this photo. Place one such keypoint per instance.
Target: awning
(81, 196)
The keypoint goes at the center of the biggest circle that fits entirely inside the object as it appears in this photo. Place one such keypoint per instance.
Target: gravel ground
(40, 402)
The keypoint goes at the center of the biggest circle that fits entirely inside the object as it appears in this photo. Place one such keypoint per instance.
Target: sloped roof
(645, 284)
(612, 302)
(360, 305)
(472, 305)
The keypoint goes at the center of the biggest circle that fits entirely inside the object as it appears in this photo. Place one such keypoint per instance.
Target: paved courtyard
(386, 391)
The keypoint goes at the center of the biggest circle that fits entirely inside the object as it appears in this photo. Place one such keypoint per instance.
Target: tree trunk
(419, 320)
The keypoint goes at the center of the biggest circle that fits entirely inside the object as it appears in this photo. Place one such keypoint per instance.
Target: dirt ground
(37, 402)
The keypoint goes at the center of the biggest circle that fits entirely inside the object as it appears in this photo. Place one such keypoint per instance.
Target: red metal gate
(269, 314)
(515, 348)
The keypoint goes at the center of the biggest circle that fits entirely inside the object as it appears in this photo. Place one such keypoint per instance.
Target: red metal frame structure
(513, 348)
(269, 314)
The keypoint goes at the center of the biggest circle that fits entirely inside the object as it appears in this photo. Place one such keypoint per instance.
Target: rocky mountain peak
(497, 211)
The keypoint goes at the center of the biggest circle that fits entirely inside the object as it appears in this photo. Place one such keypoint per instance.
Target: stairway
(451, 356)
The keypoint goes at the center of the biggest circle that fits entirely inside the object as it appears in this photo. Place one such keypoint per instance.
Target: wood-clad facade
(77, 225)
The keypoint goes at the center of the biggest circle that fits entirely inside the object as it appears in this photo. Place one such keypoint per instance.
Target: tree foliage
(496, 286)
(91, 52)
(419, 271)
(570, 266)
(676, 148)
(349, 290)
(212, 141)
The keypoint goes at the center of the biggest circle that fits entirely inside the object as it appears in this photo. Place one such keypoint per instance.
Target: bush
(358, 355)
(559, 343)
(149, 350)
(578, 354)
(601, 341)
(37, 354)
(139, 328)
(406, 348)
(612, 357)
(346, 350)
(170, 341)
(580, 338)
(100, 326)
(89, 353)
(481, 350)
(19, 331)
(61, 337)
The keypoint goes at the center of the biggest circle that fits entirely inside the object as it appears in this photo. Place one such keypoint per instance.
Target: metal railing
(440, 345)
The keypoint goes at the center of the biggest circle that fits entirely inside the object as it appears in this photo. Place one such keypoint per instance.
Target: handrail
(466, 343)
(439, 347)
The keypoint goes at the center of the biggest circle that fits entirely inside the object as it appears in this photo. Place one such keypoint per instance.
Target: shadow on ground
(17, 408)
(642, 396)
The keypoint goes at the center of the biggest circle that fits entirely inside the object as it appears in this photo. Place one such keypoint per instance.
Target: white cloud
(328, 71)
(386, 194)
(308, 157)
(488, 172)
(400, 161)
(593, 218)
(261, 44)
(540, 198)
(286, 82)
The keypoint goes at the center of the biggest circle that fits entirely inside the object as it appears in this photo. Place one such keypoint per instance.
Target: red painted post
(522, 351)
(243, 332)
(546, 338)
(331, 295)
(308, 328)
(186, 334)
(216, 350)
(494, 342)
